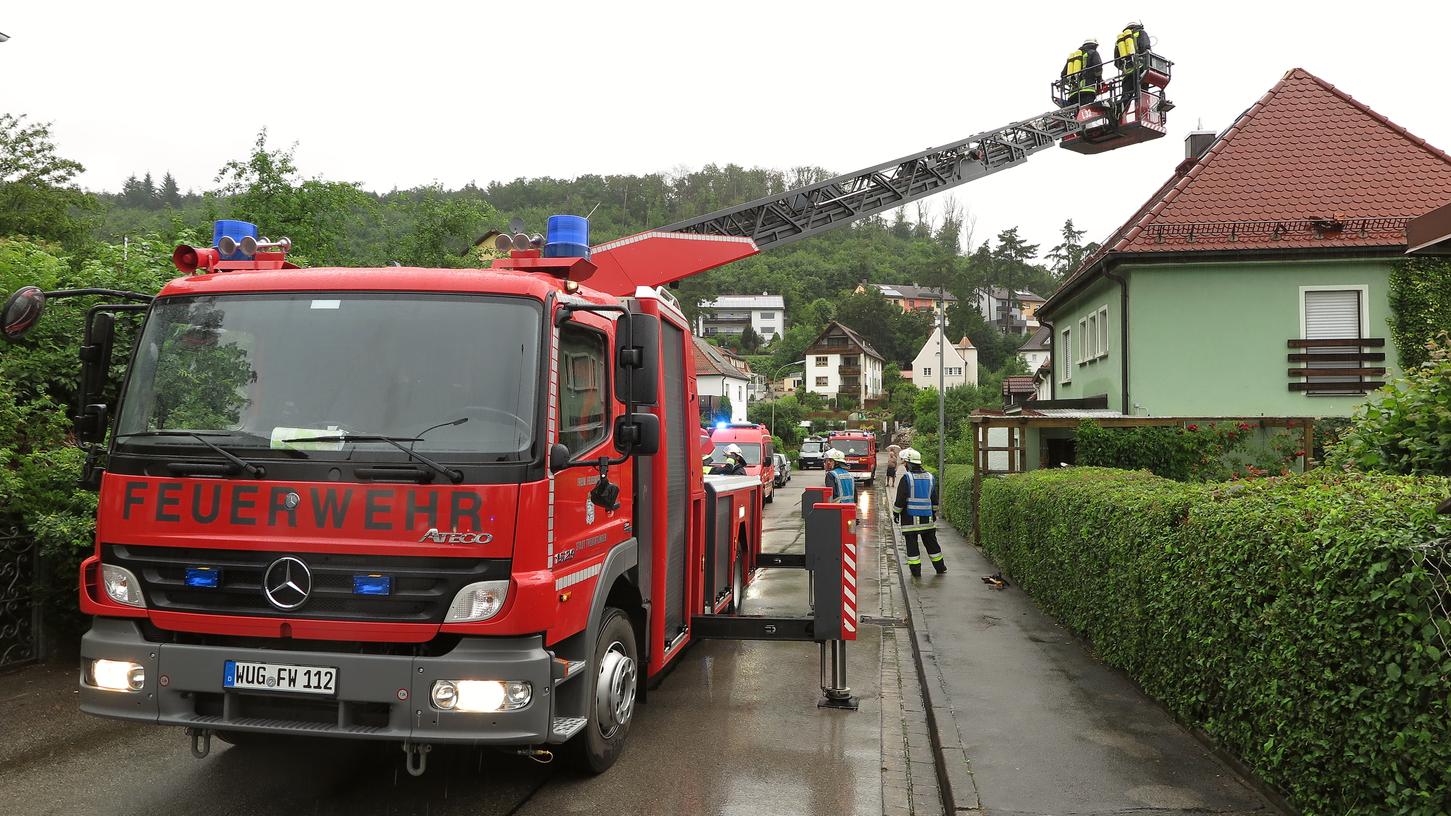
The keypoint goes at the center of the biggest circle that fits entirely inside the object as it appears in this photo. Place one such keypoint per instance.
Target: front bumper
(385, 697)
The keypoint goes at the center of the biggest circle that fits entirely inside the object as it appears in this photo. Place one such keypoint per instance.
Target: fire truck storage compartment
(677, 496)
(721, 517)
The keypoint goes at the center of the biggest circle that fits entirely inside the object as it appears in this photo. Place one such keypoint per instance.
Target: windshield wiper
(257, 471)
(452, 474)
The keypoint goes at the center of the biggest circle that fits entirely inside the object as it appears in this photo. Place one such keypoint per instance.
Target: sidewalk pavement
(1027, 721)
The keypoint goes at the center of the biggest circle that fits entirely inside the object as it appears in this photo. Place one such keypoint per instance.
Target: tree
(1403, 427)
(1068, 255)
(750, 341)
(170, 194)
(442, 229)
(37, 197)
(265, 189)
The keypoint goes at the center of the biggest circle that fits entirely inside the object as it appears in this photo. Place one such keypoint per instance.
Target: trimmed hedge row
(1299, 621)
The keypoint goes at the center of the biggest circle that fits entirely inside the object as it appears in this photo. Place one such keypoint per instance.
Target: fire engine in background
(430, 505)
(860, 448)
(756, 446)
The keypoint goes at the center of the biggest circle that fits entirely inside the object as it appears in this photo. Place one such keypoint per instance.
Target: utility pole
(941, 385)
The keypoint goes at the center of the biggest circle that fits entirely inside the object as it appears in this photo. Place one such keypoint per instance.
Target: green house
(1254, 281)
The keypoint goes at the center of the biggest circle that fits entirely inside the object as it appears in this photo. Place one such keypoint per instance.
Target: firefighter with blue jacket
(916, 510)
(838, 478)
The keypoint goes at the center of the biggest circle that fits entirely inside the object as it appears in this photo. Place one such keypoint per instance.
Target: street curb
(954, 780)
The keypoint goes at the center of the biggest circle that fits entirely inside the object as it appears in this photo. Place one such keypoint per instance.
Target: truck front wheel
(612, 695)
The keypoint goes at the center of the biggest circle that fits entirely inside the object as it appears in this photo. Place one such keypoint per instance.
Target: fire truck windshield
(268, 369)
(851, 447)
(750, 451)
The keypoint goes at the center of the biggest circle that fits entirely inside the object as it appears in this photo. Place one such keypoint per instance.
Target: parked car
(783, 469)
(812, 449)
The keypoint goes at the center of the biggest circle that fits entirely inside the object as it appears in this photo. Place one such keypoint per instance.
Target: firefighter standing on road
(916, 509)
(1081, 74)
(838, 478)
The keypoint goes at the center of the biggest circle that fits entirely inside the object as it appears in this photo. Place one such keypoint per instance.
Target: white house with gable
(958, 366)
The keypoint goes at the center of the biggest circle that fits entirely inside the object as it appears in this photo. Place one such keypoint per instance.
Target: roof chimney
(1197, 142)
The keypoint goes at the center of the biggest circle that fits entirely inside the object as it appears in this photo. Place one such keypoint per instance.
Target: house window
(1331, 314)
(821, 382)
(768, 316)
(583, 401)
(1090, 338)
(1082, 340)
(1067, 355)
(954, 371)
(1103, 331)
(926, 372)
(822, 361)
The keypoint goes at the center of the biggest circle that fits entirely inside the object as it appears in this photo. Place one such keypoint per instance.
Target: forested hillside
(334, 222)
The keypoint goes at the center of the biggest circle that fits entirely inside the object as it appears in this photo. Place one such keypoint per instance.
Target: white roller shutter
(1332, 313)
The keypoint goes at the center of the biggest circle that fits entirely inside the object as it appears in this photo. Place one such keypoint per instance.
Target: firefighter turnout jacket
(843, 486)
(917, 501)
(1131, 42)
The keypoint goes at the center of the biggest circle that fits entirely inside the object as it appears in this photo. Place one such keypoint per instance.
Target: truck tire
(613, 684)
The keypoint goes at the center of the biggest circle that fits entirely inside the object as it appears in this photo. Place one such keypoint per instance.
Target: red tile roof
(1305, 166)
(709, 362)
(1306, 150)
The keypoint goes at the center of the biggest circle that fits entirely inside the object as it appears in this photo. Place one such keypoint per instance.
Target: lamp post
(777, 370)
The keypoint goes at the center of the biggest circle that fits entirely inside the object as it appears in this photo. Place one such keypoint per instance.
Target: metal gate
(19, 610)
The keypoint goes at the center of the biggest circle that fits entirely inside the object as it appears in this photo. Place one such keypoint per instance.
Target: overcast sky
(403, 94)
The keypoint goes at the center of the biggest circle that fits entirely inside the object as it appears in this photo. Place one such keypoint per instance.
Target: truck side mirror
(95, 354)
(558, 458)
(637, 358)
(22, 311)
(638, 434)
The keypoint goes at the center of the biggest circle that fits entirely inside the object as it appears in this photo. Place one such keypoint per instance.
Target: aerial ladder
(1108, 122)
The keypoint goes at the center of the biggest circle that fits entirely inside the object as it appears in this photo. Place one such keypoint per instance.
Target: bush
(956, 496)
(1299, 621)
(1188, 453)
(1405, 427)
(1420, 301)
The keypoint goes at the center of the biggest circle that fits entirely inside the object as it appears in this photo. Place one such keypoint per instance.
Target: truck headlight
(481, 696)
(121, 585)
(117, 675)
(477, 602)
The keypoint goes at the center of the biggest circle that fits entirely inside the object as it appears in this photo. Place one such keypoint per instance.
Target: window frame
(606, 394)
(1066, 376)
(1083, 341)
(1103, 331)
(1362, 295)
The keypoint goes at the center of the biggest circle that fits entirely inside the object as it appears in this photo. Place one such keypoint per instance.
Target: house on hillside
(1253, 283)
(841, 363)
(716, 378)
(909, 298)
(1012, 315)
(1036, 350)
(731, 314)
(958, 368)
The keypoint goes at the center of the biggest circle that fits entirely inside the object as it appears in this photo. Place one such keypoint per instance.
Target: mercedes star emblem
(287, 583)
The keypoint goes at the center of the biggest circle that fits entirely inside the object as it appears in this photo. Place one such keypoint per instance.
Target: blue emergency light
(236, 230)
(720, 426)
(205, 577)
(372, 584)
(567, 236)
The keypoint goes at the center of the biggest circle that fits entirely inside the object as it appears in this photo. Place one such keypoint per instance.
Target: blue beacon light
(372, 584)
(567, 236)
(203, 577)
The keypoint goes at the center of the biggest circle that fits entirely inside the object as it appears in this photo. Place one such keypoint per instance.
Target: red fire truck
(860, 448)
(428, 505)
(756, 446)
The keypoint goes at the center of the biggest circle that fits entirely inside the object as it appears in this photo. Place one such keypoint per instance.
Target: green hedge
(957, 496)
(1289, 618)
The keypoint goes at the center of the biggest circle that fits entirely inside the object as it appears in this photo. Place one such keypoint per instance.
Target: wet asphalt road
(734, 729)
